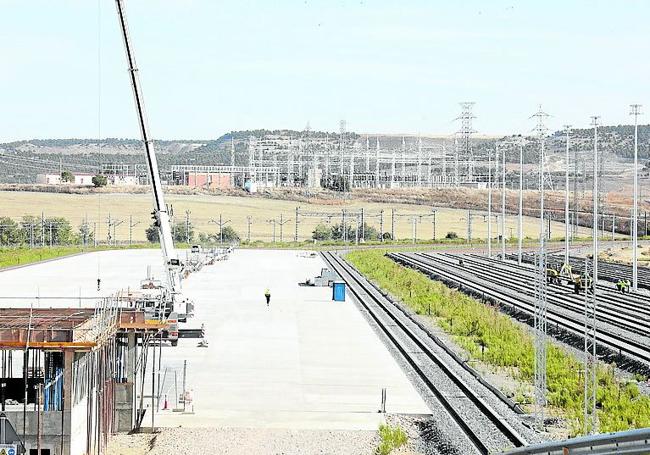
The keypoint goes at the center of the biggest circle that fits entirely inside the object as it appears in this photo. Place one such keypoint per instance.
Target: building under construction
(71, 376)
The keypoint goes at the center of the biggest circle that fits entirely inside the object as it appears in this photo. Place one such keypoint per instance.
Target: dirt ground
(623, 255)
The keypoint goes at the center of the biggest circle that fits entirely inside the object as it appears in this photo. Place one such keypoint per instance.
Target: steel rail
(634, 350)
(608, 271)
(639, 301)
(362, 290)
(610, 312)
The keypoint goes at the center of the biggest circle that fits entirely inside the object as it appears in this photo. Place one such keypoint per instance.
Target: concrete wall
(51, 435)
(124, 407)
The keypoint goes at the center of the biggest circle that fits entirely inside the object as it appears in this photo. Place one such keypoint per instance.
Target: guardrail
(631, 442)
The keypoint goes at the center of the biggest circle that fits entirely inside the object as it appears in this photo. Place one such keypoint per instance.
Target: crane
(181, 307)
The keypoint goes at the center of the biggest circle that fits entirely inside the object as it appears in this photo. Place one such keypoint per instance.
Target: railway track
(608, 271)
(519, 299)
(626, 311)
(483, 426)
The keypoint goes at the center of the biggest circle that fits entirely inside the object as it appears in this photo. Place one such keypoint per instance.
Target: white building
(55, 179)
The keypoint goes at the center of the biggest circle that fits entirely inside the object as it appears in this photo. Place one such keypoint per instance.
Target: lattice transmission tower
(465, 132)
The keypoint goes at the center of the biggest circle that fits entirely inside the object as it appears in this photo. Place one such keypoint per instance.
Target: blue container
(338, 291)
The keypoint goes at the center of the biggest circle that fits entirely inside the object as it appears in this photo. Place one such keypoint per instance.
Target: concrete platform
(304, 362)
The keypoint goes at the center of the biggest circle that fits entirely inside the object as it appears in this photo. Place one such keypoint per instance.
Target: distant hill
(21, 161)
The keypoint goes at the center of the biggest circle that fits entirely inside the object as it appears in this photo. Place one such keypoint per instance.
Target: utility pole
(282, 222)
(392, 225)
(419, 162)
(116, 223)
(489, 226)
(503, 204)
(273, 222)
(541, 285)
(42, 229)
(590, 329)
(392, 169)
(131, 226)
(403, 159)
(567, 129)
(363, 227)
(344, 230)
(108, 230)
(520, 218)
(221, 224)
(635, 111)
(434, 224)
(414, 221)
(377, 185)
(341, 147)
(381, 225)
(187, 226)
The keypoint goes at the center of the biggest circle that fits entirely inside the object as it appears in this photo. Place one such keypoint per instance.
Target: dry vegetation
(204, 207)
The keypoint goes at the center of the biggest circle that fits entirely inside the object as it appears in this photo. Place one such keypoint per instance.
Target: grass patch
(490, 336)
(11, 257)
(391, 438)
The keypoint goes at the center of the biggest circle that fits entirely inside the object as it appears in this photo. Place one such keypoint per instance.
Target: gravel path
(247, 441)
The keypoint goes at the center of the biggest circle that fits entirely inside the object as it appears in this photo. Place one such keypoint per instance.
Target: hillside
(21, 161)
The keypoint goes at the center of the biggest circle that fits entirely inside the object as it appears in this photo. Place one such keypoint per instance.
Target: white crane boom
(160, 213)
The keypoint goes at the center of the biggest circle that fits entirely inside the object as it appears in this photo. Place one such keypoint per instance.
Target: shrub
(322, 232)
(66, 176)
(99, 180)
(451, 235)
(391, 438)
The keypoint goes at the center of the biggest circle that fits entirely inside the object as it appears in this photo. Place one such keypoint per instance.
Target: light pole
(503, 204)
(520, 218)
(635, 111)
(489, 227)
(567, 129)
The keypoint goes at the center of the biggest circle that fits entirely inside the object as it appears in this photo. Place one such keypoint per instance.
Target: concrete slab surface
(303, 362)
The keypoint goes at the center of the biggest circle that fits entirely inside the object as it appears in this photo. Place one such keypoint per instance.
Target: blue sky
(211, 66)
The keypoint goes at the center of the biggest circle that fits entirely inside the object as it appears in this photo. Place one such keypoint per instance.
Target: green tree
(66, 176)
(322, 232)
(85, 236)
(100, 180)
(58, 231)
(337, 232)
(152, 233)
(30, 230)
(9, 232)
(180, 232)
(369, 232)
(229, 234)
